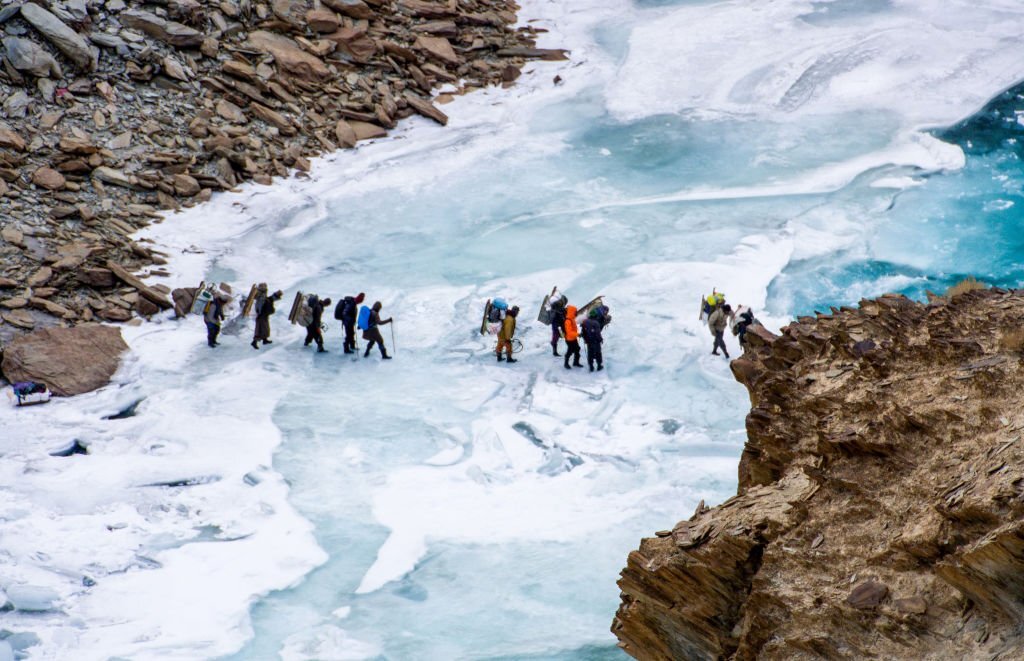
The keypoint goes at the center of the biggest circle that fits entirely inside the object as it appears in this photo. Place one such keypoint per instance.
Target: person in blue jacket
(372, 333)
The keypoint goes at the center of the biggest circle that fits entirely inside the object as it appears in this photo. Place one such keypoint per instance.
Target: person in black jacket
(557, 323)
(349, 310)
(372, 333)
(313, 332)
(264, 309)
(591, 331)
(213, 317)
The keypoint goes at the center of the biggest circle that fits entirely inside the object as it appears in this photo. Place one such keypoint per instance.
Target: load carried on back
(741, 321)
(596, 309)
(710, 303)
(552, 307)
(27, 393)
(302, 309)
(494, 313)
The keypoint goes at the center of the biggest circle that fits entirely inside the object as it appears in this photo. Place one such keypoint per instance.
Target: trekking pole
(394, 349)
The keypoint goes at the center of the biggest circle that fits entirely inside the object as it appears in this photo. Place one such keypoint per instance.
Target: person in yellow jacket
(572, 338)
(505, 335)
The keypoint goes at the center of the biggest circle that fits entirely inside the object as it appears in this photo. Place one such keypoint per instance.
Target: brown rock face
(70, 361)
(880, 511)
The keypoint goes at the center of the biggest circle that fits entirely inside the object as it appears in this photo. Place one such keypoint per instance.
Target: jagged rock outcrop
(880, 510)
(71, 361)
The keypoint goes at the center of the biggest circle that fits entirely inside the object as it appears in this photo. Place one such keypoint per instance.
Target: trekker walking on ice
(717, 323)
(592, 337)
(313, 330)
(348, 310)
(558, 312)
(372, 333)
(505, 335)
(213, 316)
(572, 335)
(264, 310)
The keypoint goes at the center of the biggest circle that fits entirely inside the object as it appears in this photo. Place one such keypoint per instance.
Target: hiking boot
(591, 368)
(577, 364)
(554, 351)
(321, 350)
(385, 357)
(268, 341)
(600, 367)
(511, 360)
(567, 366)
(727, 356)
(254, 345)
(715, 352)
(367, 354)
(500, 358)
(349, 351)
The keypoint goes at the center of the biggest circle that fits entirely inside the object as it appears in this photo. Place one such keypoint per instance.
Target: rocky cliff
(116, 110)
(880, 502)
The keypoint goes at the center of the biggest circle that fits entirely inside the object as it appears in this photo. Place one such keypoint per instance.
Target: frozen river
(446, 506)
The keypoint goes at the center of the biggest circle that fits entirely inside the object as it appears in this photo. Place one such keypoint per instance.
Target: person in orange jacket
(572, 338)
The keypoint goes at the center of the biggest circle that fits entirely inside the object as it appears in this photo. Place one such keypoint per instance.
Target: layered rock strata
(880, 501)
(116, 110)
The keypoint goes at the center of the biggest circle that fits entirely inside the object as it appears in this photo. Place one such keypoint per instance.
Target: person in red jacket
(572, 338)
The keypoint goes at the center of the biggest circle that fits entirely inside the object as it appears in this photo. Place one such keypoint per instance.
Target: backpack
(591, 330)
(304, 317)
(363, 323)
(339, 309)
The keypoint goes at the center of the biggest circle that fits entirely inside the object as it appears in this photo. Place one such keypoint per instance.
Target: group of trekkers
(720, 316)
(309, 312)
(499, 318)
(562, 318)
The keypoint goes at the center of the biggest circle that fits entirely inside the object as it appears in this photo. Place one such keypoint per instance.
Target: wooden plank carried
(296, 304)
(585, 310)
(249, 300)
(150, 294)
(487, 312)
(544, 316)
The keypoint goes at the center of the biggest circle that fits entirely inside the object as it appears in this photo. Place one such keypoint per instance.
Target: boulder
(352, 8)
(345, 134)
(25, 55)
(366, 130)
(70, 361)
(438, 48)
(183, 298)
(354, 43)
(322, 20)
(112, 176)
(169, 32)
(60, 35)
(11, 140)
(98, 277)
(48, 178)
(426, 108)
(289, 56)
(185, 185)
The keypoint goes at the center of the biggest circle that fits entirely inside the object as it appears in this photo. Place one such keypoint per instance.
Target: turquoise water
(954, 225)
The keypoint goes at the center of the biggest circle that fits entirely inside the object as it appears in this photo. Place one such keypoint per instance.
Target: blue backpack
(364, 318)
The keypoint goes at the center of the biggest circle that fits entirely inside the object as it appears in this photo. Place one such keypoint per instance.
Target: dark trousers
(350, 336)
(212, 331)
(720, 343)
(594, 354)
(572, 350)
(555, 336)
(314, 334)
(372, 337)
